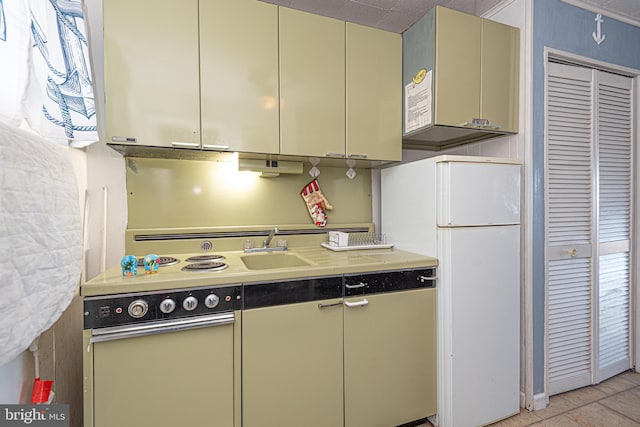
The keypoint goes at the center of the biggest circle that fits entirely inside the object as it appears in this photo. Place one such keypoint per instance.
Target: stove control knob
(167, 305)
(211, 301)
(190, 303)
(138, 308)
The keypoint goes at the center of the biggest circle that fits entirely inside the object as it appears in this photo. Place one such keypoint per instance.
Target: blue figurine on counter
(151, 264)
(129, 265)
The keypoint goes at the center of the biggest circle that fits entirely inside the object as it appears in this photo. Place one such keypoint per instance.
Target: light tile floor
(612, 403)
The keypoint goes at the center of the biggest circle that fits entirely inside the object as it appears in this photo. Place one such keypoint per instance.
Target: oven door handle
(163, 326)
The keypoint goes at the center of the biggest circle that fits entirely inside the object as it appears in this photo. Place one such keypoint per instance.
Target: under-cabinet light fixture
(270, 168)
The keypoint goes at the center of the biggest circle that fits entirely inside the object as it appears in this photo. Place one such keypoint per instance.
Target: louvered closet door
(569, 227)
(588, 213)
(613, 128)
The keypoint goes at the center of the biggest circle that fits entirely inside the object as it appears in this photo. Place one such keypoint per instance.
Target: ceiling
(398, 15)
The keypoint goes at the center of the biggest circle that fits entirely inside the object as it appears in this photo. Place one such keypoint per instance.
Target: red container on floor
(41, 391)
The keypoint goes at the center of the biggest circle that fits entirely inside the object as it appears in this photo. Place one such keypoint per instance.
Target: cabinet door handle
(333, 304)
(184, 144)
(357, 156)
(361, 303)
(480, 124)
(334, 155)
(359, 285)
(215, 147)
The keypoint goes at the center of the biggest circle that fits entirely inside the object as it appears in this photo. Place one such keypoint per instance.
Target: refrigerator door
(478, 325)
(471, 194)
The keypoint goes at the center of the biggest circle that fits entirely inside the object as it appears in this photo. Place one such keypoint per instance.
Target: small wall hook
(314, 171)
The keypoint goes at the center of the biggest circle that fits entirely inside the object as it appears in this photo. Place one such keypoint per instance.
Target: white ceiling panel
(354, 11)
(398, 15)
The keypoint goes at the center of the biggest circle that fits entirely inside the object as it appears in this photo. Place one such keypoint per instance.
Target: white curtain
(45, 74)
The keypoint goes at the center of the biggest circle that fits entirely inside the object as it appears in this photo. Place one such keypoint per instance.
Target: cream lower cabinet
(390, 358)
(366, 360)
(292, 365)
(152, 81)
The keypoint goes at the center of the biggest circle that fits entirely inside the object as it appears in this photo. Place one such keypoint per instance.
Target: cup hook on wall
(351, 173)
(314, 171)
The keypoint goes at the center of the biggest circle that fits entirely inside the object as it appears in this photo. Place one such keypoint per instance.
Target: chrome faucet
(265, 242)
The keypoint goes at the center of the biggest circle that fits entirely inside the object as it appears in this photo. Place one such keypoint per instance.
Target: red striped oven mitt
(316, 203)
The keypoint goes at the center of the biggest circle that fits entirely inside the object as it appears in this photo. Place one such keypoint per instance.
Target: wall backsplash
(168, 193)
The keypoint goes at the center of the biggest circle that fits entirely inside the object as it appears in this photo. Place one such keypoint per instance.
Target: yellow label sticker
(418, 78)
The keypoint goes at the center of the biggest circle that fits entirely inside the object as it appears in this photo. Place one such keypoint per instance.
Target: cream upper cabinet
(476, 71)
(312, 84)
(500, 70)
(239, 75)
(249, 76)
(460, 76)
(152, 87)
(374, 93)
(457, 67)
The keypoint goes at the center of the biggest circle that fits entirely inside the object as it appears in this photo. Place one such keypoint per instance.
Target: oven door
(168, 375)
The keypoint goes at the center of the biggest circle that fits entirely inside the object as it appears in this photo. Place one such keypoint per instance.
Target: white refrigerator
(465, 211)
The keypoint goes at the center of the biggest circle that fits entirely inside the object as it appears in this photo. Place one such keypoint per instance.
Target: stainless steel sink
(268, 260)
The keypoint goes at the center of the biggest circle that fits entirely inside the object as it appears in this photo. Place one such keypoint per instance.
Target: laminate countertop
(319, 262)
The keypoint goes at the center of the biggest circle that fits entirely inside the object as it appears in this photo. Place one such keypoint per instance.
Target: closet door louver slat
(589, 153)
(614, 100)
(569, 226)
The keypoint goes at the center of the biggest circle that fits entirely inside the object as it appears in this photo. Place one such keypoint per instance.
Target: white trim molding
(520, 13)
(603, 11)
(540, 401)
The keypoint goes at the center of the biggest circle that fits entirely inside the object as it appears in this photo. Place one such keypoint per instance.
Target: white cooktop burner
(163, 261)
(207, 257)
(205, 266)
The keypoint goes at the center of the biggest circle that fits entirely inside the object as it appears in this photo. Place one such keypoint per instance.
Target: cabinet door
(239, 69)
(390, 358)
(151, 73)
(500, 71)
(374, 93)
(312, 84)
(457, 75)
(292, 365)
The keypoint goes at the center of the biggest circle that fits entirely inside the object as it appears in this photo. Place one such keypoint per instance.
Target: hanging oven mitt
(316, 203)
